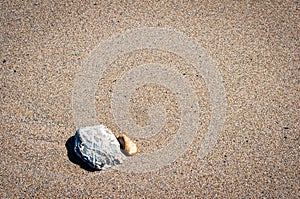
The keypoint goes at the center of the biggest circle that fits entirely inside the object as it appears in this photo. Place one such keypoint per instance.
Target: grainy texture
(255, 45)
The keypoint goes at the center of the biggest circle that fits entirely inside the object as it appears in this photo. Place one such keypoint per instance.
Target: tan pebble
(128, 146)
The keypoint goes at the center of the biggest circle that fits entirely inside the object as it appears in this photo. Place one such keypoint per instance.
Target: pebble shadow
(74, 158)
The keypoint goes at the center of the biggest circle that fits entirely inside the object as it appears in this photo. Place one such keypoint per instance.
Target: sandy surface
(254, 44)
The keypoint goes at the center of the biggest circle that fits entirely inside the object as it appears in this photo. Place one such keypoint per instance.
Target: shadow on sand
(74, 158)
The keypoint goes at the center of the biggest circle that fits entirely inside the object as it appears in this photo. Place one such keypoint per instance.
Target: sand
(255, 46)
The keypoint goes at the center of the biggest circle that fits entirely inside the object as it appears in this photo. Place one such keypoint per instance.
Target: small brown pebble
(127, 146)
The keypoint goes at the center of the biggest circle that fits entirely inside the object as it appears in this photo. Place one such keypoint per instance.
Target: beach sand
(255, 46)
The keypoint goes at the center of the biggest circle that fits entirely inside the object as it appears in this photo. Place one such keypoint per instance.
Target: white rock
(98, 147)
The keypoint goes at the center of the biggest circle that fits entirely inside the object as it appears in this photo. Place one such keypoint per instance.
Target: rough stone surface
(98, 147)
